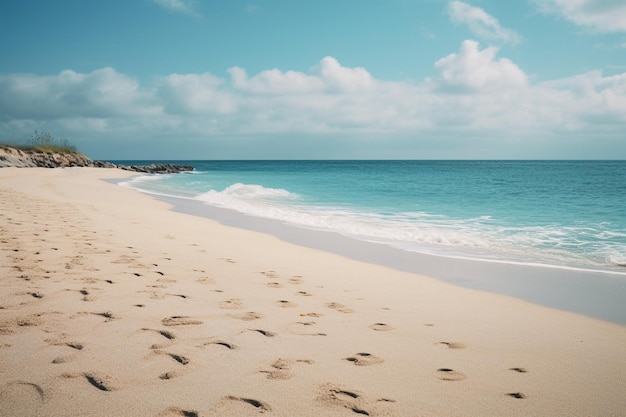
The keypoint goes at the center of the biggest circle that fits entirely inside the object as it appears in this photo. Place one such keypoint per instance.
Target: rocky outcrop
(15, 157)
(150, 169)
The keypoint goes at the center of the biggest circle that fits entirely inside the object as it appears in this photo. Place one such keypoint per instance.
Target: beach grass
(42, 142)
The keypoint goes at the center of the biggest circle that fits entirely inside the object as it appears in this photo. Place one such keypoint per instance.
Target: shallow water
(556, 214)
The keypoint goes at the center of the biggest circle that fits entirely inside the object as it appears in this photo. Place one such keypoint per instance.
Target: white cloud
(179, 6)
(476, 93)
(195, 94)
(474, 69)
(103, 92)
(275, 82)
(592, 97)
(343, 79)
(481, 23)
(600, 15)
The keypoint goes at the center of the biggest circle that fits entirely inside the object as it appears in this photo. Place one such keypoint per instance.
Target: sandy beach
(112, 304)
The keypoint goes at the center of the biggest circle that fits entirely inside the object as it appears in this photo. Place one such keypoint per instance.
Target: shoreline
(113, 303)
(598, 294)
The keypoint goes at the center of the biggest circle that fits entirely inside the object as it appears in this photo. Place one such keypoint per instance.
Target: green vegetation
(43, 142)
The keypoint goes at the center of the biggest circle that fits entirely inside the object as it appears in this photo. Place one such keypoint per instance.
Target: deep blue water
(558, 213)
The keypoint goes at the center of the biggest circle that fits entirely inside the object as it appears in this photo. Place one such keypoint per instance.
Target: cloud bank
(476, 94)
(599, 15)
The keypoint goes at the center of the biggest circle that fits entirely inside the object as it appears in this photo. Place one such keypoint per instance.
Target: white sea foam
(481, 237)
(476, 238)
(616, 258)
(134, 182)
(253, 191)
(157, 184)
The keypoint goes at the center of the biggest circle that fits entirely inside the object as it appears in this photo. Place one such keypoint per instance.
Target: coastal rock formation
(151, 168)
(14, 157)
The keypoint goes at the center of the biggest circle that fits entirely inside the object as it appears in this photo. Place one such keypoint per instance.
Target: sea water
(557, 214)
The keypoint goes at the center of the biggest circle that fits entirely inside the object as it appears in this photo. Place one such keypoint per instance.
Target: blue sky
(291, 79)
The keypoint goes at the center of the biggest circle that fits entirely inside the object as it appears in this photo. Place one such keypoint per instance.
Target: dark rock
(15, 157)
(103, 164)
(157, 168)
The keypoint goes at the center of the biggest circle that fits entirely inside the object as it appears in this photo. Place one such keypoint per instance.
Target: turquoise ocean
(553, 214)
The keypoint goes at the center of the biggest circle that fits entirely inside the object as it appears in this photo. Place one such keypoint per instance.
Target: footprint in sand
(519, 370)
(168, 335)
(364, 359)
(182, 360)
(295, 280)
(86, 295)
(32, 320)
(242, 405)
(218, 342)
(281, 369)
(232, 304)
(249, 316)
(75, 345)
(178, 358)
(99, 381)
(517, 395)
(22, 398)
(286, 304)
(205, 280)
(21, 390)
(274, 284)
(180, 321)
(62, 342)
(304, 328)
(178, 412)
(265, 333)
(305, 323)
(339, 307)
(178, 295)
(107, 315)
(311, 315)
(381, 327)
(102, 382)
(447, 374)
(453, 345)
(170, 375)
(335, 396)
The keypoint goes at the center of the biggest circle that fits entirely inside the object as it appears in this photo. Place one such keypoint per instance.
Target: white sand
(112, 305)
